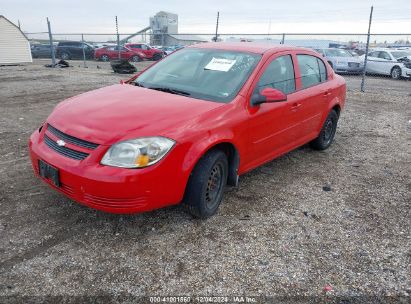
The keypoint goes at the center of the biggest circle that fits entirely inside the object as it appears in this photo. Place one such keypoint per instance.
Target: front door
(272, 127)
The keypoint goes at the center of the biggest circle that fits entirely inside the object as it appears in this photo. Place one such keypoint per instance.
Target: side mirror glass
(268, 95)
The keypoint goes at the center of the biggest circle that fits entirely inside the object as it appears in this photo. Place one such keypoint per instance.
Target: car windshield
(337, 53)
(214, 75)
(399, 54)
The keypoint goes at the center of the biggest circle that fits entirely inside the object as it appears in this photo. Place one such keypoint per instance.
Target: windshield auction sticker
(220, 64)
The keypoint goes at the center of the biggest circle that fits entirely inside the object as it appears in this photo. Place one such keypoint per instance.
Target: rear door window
(312, 70)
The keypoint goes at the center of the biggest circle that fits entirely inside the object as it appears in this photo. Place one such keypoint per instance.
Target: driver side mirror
(267, 95)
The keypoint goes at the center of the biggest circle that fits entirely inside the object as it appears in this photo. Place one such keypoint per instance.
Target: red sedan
(188, 126)
(112, 52)
(150, 52)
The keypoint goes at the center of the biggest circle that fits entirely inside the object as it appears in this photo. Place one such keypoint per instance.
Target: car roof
(251, 47)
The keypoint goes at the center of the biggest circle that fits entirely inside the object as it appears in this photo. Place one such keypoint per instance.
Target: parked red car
(111, 52)
(150, 52)
(188, 126)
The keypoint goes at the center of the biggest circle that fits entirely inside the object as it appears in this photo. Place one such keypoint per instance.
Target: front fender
(201, 146)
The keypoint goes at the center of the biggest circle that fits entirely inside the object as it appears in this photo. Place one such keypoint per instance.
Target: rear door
(147, 51)
(314, 94)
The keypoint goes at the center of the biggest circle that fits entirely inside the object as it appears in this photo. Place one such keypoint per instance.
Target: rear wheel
(396, 73)
(327, 133)
(205, 188)
(104, 58)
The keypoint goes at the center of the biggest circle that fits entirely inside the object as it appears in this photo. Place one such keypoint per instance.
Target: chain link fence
(389, 54)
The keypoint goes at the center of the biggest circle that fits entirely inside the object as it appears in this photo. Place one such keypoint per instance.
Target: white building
(164, 26)
(14, 45)
(164, 22)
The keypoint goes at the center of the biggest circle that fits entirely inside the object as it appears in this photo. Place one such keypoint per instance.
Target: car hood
(121, 112)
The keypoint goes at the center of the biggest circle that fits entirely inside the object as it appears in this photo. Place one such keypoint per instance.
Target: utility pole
(366, 52)
(216, 27)
(53, 56)
(118, 39)
(84, 52)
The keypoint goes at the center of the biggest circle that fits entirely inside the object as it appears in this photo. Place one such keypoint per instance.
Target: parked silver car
(342, 61)
(391, 62)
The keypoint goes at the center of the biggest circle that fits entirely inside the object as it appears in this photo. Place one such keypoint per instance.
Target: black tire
(157, 57)
(135, 58)
(65, 56)
(205, 187)
(396, 72)
(104, 58)
(327, 133)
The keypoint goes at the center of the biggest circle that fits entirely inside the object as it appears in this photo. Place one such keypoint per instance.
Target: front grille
(63, 150)
(72, 139)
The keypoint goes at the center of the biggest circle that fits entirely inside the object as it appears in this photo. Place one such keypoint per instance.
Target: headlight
(137, 153)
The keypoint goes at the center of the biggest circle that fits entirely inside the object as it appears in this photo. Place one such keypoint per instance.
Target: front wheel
(396, 73)
(135, 59)
(157, 57)
(65, 56)
(205, 188)
(327, 133)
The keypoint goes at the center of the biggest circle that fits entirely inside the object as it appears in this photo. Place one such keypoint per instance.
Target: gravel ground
(280, 233)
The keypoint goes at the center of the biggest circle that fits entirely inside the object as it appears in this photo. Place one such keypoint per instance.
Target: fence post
(53, 55)
(366, 53)
(282, 40)
(118, 40)
(84, 53)
(216, 27)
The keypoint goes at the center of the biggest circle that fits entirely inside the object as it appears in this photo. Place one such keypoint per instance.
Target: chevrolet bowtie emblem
(61, 143)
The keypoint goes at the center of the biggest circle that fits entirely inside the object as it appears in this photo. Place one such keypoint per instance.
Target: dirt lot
(278, 234)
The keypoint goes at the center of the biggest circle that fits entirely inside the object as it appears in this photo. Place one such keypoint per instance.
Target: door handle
(295, 106)
(327, 93)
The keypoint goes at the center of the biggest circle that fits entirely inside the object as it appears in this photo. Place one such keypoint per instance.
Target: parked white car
(393, 62)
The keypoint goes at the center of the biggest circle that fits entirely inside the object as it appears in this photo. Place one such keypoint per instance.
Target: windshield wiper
(138, 84)
(169, 90)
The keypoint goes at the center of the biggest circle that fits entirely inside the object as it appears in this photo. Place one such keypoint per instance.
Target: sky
(236, 16)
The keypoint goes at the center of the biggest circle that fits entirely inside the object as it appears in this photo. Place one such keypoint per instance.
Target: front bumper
(406, 72)
(111, 189)
(349, 70)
